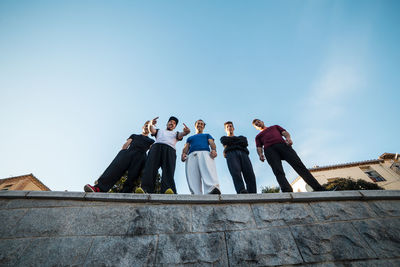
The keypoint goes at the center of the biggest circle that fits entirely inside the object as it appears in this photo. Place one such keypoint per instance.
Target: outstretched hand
(186, 129)
(154, 121)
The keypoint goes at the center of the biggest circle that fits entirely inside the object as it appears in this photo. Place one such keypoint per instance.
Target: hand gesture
(213, 154)
(262, 158)
(154, 121)
(186, 129)
(289, 141)
(183, 157)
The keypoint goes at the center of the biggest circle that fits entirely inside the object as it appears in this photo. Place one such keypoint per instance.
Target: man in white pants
(200, 164)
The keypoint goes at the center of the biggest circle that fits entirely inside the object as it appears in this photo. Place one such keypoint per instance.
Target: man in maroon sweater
(277, 149)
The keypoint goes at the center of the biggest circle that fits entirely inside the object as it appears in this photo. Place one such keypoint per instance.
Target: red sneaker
(90, 189)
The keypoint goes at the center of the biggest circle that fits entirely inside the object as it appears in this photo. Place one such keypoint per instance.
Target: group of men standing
(273, 143)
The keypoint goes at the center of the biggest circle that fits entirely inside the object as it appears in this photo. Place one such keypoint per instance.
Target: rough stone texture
(273, 214)
(220, 218)
(195, 249)
(122, 251)
(341, 211)
(160, 219)
(290, 229)
(334, 241)
(11, 250)
(386, 208)
(9, 221)
(65, 251)
(266, 247)
(3, 203)
(382, 235)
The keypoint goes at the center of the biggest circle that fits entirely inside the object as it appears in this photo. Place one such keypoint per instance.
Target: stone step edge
(224, 198)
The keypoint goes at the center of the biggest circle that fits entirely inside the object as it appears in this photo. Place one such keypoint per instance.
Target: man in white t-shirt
(162, 154)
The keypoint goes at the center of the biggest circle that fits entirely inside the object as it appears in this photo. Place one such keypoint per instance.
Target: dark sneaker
(169, 191)
(243, 191)
(139, 190)
(90, 189)
(215, 191)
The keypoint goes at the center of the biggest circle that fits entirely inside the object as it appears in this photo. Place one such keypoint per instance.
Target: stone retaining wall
(350, 228)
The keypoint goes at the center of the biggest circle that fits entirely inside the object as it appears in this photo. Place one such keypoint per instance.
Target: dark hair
(172, 118)
(199, 120)
(228, 122)
(255, 121)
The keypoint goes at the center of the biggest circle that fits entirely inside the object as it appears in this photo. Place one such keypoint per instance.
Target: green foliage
(270, 189)
(342, 184)
(117, 187)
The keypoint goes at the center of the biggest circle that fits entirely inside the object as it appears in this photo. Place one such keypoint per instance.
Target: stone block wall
(351, 228)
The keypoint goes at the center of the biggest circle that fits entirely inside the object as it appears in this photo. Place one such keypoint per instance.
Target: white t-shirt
(166, 137)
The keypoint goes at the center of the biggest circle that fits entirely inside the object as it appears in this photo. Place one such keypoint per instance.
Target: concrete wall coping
(200, 199)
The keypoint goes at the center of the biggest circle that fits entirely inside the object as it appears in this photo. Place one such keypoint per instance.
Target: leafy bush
(270, 189)
(349, 184)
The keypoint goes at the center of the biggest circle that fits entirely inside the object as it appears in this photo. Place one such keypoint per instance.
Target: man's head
(172, 122)
(145, 128)
(229, 128)
(199, 125)
(258, 124)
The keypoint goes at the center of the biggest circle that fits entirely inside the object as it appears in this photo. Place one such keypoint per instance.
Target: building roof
(345, 165)
(31, 177)
(389, 156)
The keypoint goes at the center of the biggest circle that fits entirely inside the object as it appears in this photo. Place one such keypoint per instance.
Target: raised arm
(127, 144)
(185, 152)
(185, 132)
(287, 137)
(213, 152)
(151, 125)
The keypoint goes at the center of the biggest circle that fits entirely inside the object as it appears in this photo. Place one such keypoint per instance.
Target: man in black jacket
(237, 158)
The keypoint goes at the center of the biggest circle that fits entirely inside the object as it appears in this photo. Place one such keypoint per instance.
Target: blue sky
(78, 77)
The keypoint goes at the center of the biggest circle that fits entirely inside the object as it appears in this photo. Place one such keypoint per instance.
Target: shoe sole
(139, 191)
(215, 191)
(169, 191)
(88, 189)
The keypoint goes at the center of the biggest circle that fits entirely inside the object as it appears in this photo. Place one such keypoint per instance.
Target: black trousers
(278, 152)
(239, 163)
(126, 160)
(164, 156)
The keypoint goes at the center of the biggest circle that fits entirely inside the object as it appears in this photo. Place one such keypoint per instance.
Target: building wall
(355, 172)
(23, 182)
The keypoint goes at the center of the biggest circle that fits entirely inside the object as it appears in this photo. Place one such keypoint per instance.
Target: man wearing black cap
(162, 154)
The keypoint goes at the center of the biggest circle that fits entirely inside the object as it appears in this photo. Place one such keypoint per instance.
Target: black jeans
(238, 162)
(281, 151)
(126, 160)
(164, 156)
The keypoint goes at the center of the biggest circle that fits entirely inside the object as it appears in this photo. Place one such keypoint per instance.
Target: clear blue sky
(78, 77)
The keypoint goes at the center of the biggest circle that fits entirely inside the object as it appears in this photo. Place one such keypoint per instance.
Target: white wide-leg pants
(200, 167)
